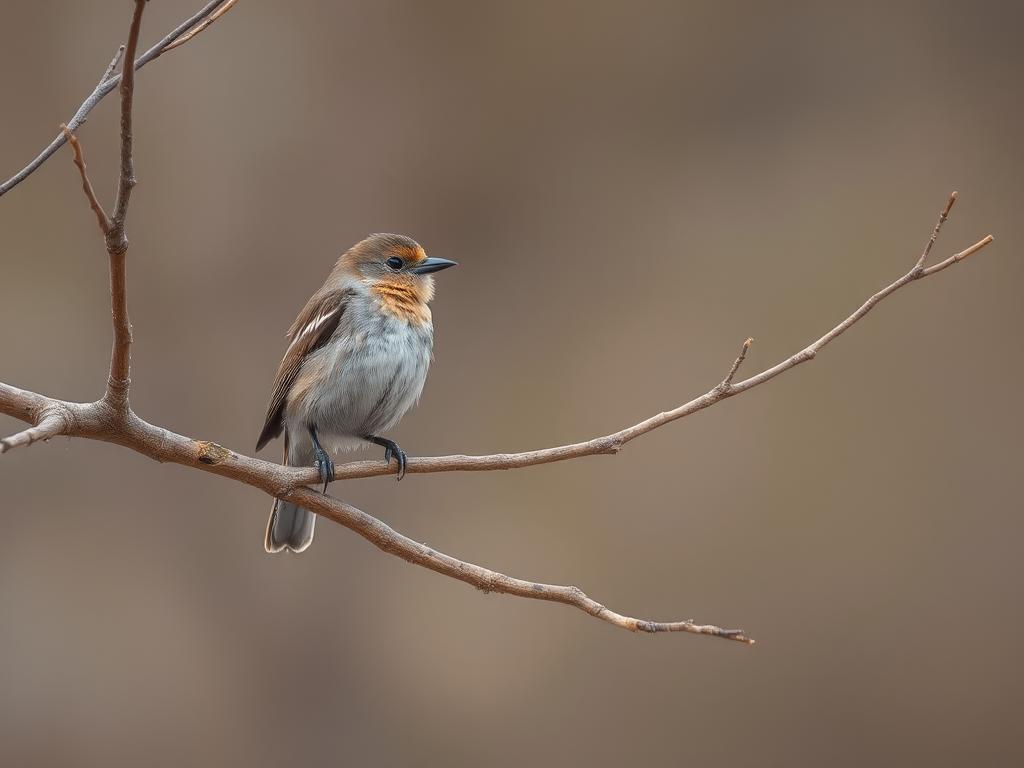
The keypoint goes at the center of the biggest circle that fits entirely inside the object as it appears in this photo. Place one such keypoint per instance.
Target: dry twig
(200, 26)
(107, 84)
(101, 215)
(110, 419)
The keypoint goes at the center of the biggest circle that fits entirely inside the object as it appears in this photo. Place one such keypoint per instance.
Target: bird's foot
(391, 449)
(324, 466)
(321, 460)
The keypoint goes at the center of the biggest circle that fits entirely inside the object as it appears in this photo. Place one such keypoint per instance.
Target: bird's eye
(394, 262)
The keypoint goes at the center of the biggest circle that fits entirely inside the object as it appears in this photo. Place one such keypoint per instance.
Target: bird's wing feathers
(314, 326)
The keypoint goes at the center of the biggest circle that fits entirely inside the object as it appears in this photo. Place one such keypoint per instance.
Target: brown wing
(312, 329)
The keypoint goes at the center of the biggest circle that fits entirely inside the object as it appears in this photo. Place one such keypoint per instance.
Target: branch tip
(727, 381)
(943, 215)
(109, 71)
(953, 196)
(200, 27)
(956, 257)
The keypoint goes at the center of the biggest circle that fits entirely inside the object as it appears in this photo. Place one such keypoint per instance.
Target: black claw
(401, 463)
(391, 451)
(325, 467)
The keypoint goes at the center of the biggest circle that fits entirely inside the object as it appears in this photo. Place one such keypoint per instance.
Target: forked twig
(105, 86)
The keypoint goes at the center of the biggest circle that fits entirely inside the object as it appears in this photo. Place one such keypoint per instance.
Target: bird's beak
(427, 266)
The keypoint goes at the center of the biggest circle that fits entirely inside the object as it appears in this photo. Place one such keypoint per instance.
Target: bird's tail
(290, 527)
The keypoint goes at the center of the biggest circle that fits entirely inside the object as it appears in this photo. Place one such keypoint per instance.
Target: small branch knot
(211, 453)
(577, 595)
(611, 445)
(116, 240)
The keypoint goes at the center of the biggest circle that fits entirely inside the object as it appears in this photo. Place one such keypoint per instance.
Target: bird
(357, 361)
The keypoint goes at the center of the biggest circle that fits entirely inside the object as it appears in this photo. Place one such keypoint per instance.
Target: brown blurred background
(631, 189)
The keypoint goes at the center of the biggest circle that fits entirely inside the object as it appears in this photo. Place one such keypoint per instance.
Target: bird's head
(393, 260)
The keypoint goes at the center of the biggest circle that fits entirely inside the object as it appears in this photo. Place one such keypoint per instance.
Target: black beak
(432, 265)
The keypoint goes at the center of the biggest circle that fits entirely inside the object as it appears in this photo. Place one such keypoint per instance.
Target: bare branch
(93, 421)
(389, 540)
(101, 216)
(105, 86)
(119, 381)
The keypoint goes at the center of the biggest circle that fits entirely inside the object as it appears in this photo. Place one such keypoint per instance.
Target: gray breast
(374, 374)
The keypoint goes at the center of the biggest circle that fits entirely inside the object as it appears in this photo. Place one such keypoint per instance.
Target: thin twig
(105, 86)
(958, 256)
(389, 540)
(112, 65)
(943, 215)
(126, 179)
(727, 381)
(101, 216)
(201, 26)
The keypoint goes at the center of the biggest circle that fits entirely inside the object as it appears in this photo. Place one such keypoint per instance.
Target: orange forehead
(410, 255)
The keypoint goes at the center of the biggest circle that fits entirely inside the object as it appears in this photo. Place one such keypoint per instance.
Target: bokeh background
(632, 189)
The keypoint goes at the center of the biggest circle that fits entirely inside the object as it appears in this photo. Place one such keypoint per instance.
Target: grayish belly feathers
(372, 372)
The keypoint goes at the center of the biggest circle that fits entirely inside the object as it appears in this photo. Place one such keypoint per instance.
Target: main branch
(94, 421)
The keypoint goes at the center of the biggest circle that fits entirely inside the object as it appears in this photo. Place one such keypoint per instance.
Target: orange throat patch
(404, 299)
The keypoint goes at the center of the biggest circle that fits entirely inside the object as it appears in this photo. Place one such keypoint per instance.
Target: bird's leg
(324, 464)
(390, 449)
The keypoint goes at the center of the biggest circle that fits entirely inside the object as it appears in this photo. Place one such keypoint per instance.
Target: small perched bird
(358, 359)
